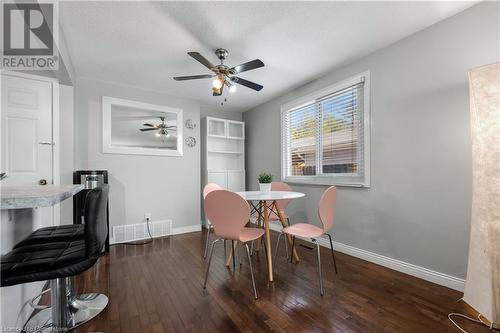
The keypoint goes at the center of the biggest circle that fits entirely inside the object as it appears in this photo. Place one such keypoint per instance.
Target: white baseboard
(186, 229)
(397, 265)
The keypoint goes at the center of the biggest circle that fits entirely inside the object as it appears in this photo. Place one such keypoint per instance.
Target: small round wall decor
(190, 124)
(190, 141)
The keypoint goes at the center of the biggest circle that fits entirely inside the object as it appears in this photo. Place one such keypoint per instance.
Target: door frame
(55, 115)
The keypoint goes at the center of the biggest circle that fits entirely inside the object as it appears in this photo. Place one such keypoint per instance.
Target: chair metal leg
(209, 261)
(207, 241)
(319, 268)
(277, 246)
(286, 247)
(293, 248)
(234, 254)
(333, 253)
(286, 239)
(251, 271)
(239, 252)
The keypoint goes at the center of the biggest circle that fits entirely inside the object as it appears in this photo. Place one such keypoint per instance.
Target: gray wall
(167, 187)
(208, 111)
(418, 208)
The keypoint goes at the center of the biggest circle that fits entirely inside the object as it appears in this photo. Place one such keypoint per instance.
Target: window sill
(323, 181)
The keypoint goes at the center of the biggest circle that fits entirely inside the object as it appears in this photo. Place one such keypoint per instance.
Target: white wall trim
(397, 265)
(186, 229)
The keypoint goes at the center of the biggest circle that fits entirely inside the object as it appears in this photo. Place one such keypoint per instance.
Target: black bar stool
(59, 233)
(55, 261)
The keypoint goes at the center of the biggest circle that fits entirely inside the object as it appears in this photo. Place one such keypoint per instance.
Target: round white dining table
(271, 196)
(266, 202)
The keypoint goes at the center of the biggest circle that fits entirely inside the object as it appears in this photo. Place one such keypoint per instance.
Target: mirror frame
(108, 148)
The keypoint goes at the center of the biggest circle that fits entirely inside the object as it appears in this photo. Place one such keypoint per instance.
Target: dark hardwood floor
(158, 288)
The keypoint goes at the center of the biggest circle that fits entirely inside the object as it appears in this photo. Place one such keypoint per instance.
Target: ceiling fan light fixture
(217, 83)
(223, 73)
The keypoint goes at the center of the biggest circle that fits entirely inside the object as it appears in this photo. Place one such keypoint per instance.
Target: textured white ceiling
(145, 43)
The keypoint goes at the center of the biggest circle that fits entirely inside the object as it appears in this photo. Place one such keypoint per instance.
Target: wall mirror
(137, 128)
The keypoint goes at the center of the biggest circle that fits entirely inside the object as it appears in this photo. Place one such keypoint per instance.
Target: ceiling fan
(162, 129)
(224, 75)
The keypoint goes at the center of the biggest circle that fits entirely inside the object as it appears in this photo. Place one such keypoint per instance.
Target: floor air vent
(139, 231)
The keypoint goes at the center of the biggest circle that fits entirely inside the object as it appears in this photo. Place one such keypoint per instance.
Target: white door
(26, 131)
(26, 157)
(26, 136)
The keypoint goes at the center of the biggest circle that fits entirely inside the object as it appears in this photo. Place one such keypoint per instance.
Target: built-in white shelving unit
(224, 153)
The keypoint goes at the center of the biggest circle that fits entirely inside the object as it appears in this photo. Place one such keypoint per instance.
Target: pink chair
(229, 213)
(207, 189)
(326, 212)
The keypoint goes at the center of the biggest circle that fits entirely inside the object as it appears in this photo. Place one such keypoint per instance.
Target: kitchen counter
(17, 197)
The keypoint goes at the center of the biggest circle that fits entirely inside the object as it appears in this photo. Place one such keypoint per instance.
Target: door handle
(42, 182)
(47, 143)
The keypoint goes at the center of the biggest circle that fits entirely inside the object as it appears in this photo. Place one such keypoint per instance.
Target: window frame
(329, 179)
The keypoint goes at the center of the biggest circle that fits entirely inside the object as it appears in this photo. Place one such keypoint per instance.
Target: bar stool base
(82, 308)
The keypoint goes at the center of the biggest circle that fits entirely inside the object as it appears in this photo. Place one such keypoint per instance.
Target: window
(325, 136)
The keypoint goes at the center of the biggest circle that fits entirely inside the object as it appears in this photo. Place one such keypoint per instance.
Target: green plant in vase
(265, 180)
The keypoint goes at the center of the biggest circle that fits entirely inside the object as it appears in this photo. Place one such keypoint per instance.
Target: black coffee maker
(90, 179)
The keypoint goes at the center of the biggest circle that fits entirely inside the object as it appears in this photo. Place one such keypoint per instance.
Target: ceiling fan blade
(247, 66)
(148, 129)
(201, 59)
(193, 77)
(246, 83)
(148, 125)
(170, 126)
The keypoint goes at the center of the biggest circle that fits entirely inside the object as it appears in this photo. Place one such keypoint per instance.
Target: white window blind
(325, 140)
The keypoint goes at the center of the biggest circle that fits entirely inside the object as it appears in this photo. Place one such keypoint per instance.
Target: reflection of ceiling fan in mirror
(161, 129)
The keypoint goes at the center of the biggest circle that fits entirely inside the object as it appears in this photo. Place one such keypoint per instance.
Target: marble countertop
(16, 197)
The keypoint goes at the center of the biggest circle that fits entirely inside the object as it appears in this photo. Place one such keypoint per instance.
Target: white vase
(265, 188)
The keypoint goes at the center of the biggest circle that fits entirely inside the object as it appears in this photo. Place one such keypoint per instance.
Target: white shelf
(225, 152)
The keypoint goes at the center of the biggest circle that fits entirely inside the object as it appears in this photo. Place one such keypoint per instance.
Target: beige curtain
(482, 287)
